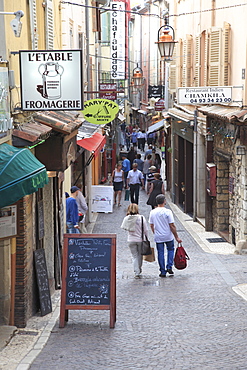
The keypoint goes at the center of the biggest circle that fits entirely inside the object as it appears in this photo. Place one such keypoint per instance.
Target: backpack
(180, 258)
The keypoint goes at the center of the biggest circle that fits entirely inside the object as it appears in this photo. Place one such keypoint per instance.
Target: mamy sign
(100, 111)
(51, 80)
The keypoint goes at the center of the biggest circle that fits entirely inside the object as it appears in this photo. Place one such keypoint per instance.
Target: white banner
(205, 95)
(118, 40)
(51, 80)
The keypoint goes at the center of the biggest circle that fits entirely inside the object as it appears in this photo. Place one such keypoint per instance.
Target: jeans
(71, 229)
(161, 256)
(135, 248)
(134, 193)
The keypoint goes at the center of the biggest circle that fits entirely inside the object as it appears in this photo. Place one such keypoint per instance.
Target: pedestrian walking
(148, 151)
(134, 137)
(157, 161)
(142, 139)
(139, 162)
(146, 165)
(162, 225)
(125, 167)
(156, 188)
(72, 216)
(133, 224)
(134, 181)
(82, 209)
(127, 138)
(131, 155)
(150, 177)
(118, 181)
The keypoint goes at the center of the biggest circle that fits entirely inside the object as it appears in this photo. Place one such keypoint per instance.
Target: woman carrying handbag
(133, 224)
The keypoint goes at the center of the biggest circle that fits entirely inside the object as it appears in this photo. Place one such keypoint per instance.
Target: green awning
(20, 174)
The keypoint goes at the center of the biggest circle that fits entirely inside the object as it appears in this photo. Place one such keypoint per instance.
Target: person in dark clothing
(157, 161)
(156, 188)
(139, 161)
(72, 215)
(131, 155)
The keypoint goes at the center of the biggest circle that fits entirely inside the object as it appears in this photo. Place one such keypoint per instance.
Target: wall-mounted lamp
(209, 137)
(240, 150)
(16, 24)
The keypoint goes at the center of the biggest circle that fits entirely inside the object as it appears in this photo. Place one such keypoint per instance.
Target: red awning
(93, 144)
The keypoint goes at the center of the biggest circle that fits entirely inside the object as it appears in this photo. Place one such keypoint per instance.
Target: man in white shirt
(162, 225)
(134, 180)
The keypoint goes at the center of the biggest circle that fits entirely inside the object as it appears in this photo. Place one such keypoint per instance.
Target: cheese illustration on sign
(100, 111)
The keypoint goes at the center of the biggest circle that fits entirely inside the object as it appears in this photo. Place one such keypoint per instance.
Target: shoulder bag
(145, 247)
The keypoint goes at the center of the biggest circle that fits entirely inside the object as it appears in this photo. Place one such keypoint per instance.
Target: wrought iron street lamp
(166, 42)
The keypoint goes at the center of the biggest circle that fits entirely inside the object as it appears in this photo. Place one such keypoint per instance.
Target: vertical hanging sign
(118, 40)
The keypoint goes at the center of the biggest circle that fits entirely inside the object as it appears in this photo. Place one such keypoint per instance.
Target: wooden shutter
(49, 25)
(197, 62)
(180, 63)
(225, 78)
(187, 61)
(33, 24)
(173, 70)
(204, 58)
(214, 66)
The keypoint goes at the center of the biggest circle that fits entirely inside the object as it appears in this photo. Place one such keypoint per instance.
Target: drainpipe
(195, 167)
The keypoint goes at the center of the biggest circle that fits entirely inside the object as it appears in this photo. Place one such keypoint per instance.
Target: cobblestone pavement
(193, 320)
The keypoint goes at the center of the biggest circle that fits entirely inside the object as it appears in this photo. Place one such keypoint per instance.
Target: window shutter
(33, 24)
(49, 25)
(204, 45)
(187, 61)
(215, 57)
(180, 63)
(173, 70)
(226, 55)
(197, 62)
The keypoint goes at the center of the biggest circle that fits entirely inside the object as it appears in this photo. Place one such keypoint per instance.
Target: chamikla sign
(100, 111)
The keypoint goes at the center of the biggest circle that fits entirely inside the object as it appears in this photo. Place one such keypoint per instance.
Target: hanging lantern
(166, 42)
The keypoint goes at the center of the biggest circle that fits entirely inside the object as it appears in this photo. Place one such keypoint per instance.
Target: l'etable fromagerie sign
(51, 80)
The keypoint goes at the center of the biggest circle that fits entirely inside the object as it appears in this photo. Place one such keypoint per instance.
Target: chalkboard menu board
(42, 281)
(89, 274)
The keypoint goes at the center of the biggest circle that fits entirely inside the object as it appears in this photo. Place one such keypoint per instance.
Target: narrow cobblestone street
(193, 320)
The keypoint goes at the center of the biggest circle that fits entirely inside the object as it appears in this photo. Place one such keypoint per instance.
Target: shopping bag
(150, 257)
(127, 194)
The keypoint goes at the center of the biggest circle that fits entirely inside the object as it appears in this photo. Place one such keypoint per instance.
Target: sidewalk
(29, 342)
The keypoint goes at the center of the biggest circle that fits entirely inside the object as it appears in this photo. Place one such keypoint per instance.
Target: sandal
(119, 204)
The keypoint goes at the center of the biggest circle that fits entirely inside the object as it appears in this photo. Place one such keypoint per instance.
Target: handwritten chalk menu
(42, 281)
(89, 274)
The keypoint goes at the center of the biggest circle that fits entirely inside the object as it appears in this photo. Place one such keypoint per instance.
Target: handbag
(127, 194)
(150, 257)
(145, 246)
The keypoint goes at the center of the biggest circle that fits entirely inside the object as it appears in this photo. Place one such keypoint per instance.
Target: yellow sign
(100, 111)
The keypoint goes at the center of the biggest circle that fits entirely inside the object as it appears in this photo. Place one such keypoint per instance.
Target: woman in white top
(118, 180)
(133, 224)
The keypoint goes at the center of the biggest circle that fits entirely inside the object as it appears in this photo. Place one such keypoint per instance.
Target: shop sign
(117, 40)
(159, 105)
(155, 91)
(205, 95)
(100, 111)
(5, 119)
(108, 91)
(8, 221)
(51, 80)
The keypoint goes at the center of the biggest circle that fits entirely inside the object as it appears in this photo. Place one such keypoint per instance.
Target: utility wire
(155, 15)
